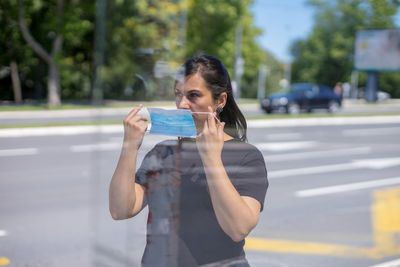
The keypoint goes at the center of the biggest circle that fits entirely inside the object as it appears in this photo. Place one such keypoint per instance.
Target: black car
(303, 96)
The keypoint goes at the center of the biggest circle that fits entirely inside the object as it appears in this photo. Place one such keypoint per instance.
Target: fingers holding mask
(134, 127)
(211, 120)
(133, 112)
(211, 140)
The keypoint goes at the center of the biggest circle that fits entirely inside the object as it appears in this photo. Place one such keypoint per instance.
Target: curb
(252, 124)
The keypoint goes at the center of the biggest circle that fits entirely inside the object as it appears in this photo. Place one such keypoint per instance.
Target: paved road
(333, 198)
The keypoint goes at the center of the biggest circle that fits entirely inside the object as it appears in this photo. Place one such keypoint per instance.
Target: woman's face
(193, 94)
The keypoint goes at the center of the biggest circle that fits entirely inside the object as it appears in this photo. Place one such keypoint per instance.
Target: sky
(284, 21)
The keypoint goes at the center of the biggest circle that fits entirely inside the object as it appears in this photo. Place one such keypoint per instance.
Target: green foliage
(254, 57)
(13, 47)
(75, 60)
(139, 34)
(381, 13)
(275, 73)
(74, 22)
(211, 30)
(390, 82)
(326, 56)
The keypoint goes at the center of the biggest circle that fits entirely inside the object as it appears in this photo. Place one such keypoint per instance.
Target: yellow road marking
(299, 247)
(4, 261)
(386, 231)
(386, 220)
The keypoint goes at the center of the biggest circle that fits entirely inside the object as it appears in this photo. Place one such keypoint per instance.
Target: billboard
(377, 50)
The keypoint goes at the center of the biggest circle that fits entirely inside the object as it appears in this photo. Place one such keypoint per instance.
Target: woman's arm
(237, 215)
(127, 198)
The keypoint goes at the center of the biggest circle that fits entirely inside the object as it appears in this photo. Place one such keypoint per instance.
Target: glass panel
(142, 49)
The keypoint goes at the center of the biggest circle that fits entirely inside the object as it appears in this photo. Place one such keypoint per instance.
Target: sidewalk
(355, 107)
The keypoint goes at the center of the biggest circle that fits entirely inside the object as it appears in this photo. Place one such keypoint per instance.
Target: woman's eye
(193, 95)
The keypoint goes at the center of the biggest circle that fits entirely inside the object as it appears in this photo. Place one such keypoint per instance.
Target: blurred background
(62, 46)
(70, 71)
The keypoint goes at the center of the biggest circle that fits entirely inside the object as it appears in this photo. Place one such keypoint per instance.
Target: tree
(326, 55)
(140, 34)
(8, 30)
(211, 30)
(63, 22)
(53, 86)
(15, 51)
(256, 57)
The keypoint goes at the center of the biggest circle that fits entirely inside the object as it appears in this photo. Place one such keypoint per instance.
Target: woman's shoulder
(238, 144)
(242, 149)
(161, 146)
(168, 142)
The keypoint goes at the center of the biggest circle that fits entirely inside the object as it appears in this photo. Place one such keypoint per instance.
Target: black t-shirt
(182, 228)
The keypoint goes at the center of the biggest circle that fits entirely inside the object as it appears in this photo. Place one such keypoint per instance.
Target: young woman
(204, 194)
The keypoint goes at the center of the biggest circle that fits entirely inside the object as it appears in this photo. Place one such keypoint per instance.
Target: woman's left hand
(211, 140)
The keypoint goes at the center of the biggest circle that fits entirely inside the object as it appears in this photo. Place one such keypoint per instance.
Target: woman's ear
(222, 99)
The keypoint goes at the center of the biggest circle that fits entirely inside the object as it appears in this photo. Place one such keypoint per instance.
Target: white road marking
(346, 187)
(60, 130)
(318, 154)
(3, 233)
(322, 121)
(395, 263)
(371, 132)
(356, 164)
(18, 152)
(284, 136)
(285, 146)
(377, 164)
(96, 147)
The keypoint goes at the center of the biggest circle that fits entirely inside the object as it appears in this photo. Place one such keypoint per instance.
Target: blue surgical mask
(178, 122)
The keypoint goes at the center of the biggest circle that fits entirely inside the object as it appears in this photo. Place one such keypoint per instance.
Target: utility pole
(239, 61)
(354, 84)
(287, 74)
(262, 75)
(99, 40)
(372, 86)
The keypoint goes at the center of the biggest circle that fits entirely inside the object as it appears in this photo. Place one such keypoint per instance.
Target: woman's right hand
(135, 127)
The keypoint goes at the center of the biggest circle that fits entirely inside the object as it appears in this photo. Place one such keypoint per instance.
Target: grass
(69, 106)
(31, 107)
(57, 124)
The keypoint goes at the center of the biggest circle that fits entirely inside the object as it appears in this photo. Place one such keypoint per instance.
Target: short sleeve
(156, 160)
(250, 178)
(140, 176)
(150, 162)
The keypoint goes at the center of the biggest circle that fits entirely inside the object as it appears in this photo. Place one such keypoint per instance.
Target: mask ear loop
(200, 112)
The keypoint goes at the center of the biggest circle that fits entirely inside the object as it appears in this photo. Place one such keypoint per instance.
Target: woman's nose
(183, 103)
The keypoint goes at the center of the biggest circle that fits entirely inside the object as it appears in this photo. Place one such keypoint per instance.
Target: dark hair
(218, 81)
